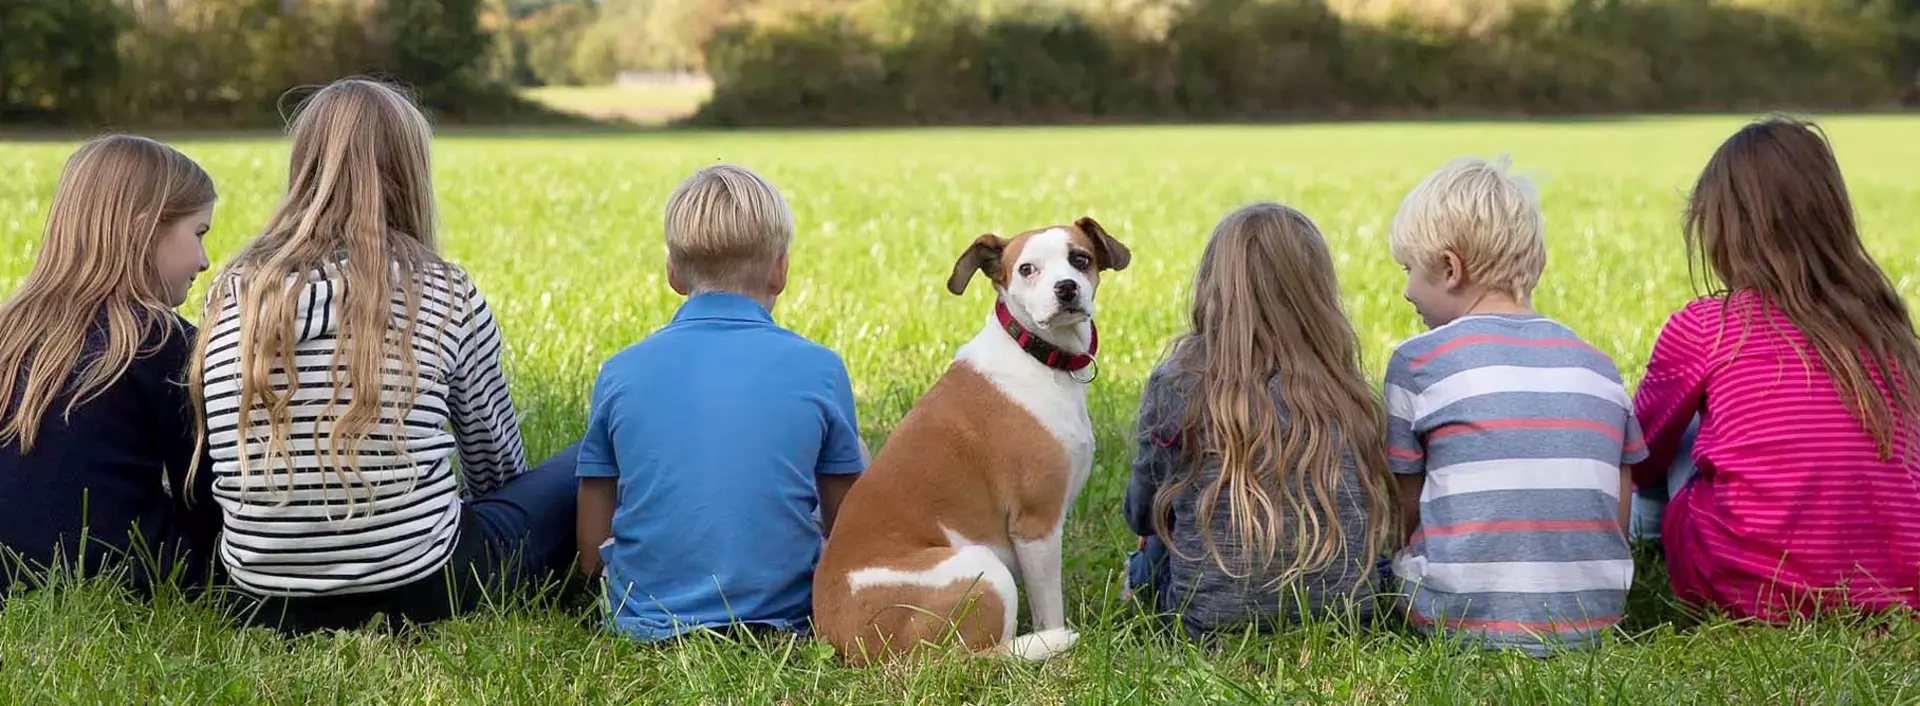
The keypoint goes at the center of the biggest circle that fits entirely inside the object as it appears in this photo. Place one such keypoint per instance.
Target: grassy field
(563, 235)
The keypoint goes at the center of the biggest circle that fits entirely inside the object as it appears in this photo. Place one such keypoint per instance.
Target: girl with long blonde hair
(96, 430)
(346, 366)
(1260, 486)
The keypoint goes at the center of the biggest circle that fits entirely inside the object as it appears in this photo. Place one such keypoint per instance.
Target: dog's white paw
(1041, 645)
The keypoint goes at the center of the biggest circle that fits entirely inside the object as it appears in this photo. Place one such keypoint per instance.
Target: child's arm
(1406, 455)
(1669, 396)
(833, 491)
(594, 522)
(1156, 448)
(1409, 504)
(200, 518)
(599, 493)
(1626, 498)
(484, 422)
(843, 456)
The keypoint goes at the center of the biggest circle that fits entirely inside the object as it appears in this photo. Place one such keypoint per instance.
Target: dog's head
(1047, 276)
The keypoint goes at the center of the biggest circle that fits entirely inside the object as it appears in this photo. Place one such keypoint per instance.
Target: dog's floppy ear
(1110, 253)
(982, 256)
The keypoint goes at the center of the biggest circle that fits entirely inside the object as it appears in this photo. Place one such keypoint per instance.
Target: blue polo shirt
(714, 427)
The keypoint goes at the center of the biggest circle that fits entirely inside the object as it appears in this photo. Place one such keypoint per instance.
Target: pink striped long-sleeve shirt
(1792, 510)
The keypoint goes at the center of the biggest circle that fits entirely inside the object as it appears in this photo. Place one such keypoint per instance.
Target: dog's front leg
(1040, 567)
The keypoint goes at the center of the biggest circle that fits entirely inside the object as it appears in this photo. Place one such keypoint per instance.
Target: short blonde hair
(726, 226)
(1486, 215)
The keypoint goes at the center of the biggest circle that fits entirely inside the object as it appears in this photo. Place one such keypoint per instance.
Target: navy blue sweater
(103, 469)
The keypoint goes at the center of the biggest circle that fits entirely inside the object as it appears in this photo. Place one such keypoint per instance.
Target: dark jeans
(517, 536)
(1147, 572)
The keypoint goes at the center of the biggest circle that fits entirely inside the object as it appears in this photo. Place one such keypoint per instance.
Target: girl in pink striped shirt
(1805, 495)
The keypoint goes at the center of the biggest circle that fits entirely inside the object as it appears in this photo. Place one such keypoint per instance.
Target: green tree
(434, 41)
(553, 38)
(57, 56)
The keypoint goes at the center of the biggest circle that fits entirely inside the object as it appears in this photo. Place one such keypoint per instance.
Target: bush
(227, 62)
(818, 69)
(934, 61)
(552, 37)
(52, 60)
(230, 63)
(432, 42)
(1249, 57)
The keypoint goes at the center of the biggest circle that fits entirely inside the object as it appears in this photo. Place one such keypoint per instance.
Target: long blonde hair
(116, 196)
(1266, 304)
(359, 207)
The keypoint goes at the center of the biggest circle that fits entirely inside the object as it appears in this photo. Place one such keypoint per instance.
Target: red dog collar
(1041, 350)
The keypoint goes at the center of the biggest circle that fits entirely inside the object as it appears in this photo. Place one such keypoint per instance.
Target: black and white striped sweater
(305, 543)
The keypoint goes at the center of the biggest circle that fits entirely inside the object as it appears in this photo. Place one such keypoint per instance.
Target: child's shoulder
(677, 345)
(1712, 305)
(167, 338)
(813, 358)
(1171, 380)
(1173, 367)
(795, 350)
(1704, 317)
(1494, 340)
(1414, 351)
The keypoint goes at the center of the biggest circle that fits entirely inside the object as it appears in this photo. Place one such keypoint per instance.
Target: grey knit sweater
(1206, 599)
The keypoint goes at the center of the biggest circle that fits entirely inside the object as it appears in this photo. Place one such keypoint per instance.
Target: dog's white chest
(1053, 397)
(1077, 439)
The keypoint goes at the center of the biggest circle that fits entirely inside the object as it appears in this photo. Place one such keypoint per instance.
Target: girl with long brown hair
(1802, 490)
(1260, 487)
(96, 430)
(344, 367)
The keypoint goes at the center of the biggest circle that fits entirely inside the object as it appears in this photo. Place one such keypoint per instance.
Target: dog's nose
(1066, 289)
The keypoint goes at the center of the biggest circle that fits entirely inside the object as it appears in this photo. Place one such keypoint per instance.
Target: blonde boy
(718, 448)
(1509, 434)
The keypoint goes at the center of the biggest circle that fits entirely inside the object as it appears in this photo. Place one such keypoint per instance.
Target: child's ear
(1452, 272)
(777, 284)
(673, 280)
(982, 256)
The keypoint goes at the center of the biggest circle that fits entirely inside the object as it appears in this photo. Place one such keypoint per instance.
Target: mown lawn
(563, 234)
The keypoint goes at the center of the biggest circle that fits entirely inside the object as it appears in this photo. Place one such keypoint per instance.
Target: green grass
(563, 234)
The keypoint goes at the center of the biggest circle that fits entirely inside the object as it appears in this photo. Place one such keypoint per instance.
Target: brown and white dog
(966, 501)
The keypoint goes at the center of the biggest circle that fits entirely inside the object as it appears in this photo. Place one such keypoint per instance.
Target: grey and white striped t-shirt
(1521, 429)
(309, 545)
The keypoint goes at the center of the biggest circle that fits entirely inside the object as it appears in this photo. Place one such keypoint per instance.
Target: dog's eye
(1026, 269)
(1079, 260)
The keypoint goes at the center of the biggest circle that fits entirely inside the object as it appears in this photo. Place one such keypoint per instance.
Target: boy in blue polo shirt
(718, 448)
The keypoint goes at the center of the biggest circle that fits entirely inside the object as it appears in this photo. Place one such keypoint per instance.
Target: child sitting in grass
(1260, 487)
(1510, 435)
(379, 479)
(96, 429)
(1802, 493)
(712, 444)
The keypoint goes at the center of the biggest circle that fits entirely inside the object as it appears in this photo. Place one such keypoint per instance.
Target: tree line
(231, 62)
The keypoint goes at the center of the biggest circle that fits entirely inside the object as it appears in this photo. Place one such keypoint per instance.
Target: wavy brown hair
(94, 276)
(1266, 306)
(359, 207)
(1770, 216)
